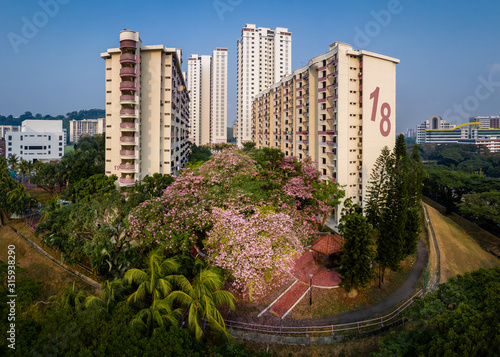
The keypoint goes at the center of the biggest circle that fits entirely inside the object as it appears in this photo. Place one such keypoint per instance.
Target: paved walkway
(403, 293)
(304, 265)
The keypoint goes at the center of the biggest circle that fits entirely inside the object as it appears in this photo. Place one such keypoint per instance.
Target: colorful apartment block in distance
(339, 109)
(147, 110)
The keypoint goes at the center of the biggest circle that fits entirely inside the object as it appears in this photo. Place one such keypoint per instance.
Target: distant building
(471, 133)
(85, 127)
(435, 122)
(491, 122)
(38, 140)
(147, 110)
(207, 84)
(4, 129)
(264, 56)
(410, 133)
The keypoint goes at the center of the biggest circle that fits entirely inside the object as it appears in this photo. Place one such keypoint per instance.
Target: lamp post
(310, 289)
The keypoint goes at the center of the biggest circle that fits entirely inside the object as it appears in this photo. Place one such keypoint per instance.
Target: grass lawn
(460, 253)
(335, 301)
(37, 266)
(41, 196)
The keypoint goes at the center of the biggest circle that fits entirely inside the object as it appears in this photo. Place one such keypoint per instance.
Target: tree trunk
(323, 222)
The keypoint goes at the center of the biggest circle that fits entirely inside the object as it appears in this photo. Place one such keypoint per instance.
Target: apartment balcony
(327, 132)
(320, 90)
(127, 152)
(360, 180)
(127, 167)
(360, 144)
(128, 113)
(322, 100)
(128, 44)
(127, 85)
(128, 99)
(304, 132)
(330, 153)
(128, 58)
(124, 180)
(128, 126)
(360, 167)
(322, 68)
(327, 177)
(127, 139)
(128, 72)
(322, 79)
(298, 106)
(303, 142)
(360, 156)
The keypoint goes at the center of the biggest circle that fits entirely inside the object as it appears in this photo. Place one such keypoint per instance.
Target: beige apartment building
(147, 110)
(339, 109)
(264, 56)
(85, 127)
(207, 84)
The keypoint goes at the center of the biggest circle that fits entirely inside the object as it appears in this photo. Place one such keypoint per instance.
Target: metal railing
(325, 329)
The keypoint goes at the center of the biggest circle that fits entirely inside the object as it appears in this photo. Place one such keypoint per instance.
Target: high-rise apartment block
(435, 122)
(147, 110)
(339, 109)
(264, 57)
(207, 83)
(85, 127)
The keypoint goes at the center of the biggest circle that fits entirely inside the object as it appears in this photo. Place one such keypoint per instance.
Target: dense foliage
(392, 205)
(231, 201)
(75, 324)
(462, 318)
(13, 196)
(358, 256)
(473, 159)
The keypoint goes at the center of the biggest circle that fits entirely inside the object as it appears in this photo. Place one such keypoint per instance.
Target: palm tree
(70, 299)
(156, 281)
(23, 169)
(110, 295)
(159, 314)
(13, 160)
(201, 298)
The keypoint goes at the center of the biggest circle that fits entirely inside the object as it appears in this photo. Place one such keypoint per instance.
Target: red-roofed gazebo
(326, 245)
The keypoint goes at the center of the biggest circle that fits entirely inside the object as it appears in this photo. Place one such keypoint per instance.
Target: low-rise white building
(38, 140)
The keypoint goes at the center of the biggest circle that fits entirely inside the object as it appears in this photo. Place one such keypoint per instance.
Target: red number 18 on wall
(385, 111)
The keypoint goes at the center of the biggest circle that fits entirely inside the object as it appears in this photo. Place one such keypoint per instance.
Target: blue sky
(449, 50)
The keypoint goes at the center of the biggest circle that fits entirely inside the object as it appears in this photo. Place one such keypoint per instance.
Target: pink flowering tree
(258, 250)
(252, 218)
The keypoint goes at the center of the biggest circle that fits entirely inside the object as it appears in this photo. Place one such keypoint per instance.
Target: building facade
(85, 127)
(207, 83)
(147, 110)
(264, 57)
(487, 122)
(435, 122)
(339, 109)
(4, 129)
(38, 140)
(472, 133)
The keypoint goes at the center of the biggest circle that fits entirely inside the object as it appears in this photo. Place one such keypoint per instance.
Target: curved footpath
(403, 293)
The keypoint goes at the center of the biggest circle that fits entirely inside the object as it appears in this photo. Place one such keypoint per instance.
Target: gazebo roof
(328, 244)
